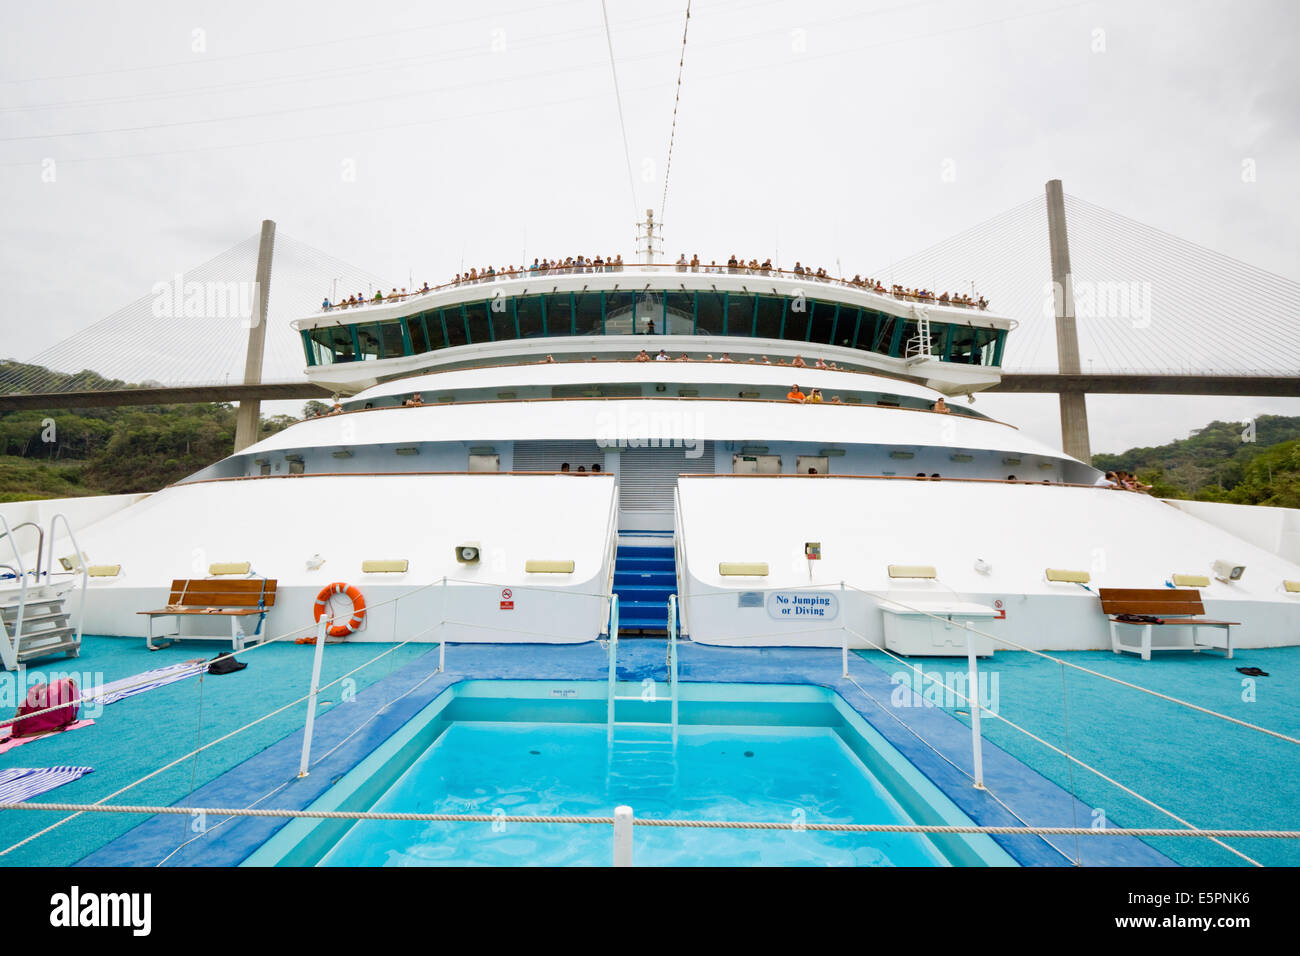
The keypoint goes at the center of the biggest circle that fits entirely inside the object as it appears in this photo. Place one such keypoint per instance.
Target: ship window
(808, 464)
(768, 325)
(453, 320)
(476, 321)
(559, 314)
(588, 318)
(368, 339)
(822, 324)
(846, 326)
(484, 462)
(709, 320)
(882, 334)
(530, 317)
(986, 343)
(796, 319)
(502, 319)
(391, 339)
(962, 349)
(433, 326)
(681, 314)
(756, 464)
(332, 344)
(296, 466)
(415, 329)
(619, 314)
(740, 314)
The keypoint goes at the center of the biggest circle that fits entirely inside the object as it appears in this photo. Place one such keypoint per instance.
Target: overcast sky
(140, 139)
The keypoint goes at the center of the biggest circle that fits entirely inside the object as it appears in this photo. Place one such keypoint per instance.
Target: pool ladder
(613, 697)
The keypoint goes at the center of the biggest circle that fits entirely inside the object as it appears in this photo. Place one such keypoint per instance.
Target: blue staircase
(644, 578)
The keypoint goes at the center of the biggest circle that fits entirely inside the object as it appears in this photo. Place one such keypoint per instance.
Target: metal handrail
(613, 665)
(81, 563)
(40, 541)
(894, 291)
(8, 649)
(672, 656)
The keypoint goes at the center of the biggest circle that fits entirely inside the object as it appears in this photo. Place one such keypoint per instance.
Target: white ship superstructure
(583, 428)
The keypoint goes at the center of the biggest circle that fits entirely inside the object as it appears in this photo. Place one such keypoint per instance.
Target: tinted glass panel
(740, 314)
(962, 348)
(769, 317)
(502, 318)
(333, 344)
(796, 319)
(559, 314)
(530, 317)
(823, 322)
(619, 314)
(710, 320)
(588, 313)
(477, 317)
(433, 326)
(415, 329)
(392, 339)
(681, 313)
(368, 337)
(455, 324)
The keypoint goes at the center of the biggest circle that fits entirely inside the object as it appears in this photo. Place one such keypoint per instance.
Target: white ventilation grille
(647, 476)
(550, 455)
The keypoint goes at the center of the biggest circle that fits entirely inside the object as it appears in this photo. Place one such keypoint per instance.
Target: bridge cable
(677, 97)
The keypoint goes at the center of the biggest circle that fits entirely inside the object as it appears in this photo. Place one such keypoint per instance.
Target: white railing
(613, 666)
(9, 647)
(81, 565)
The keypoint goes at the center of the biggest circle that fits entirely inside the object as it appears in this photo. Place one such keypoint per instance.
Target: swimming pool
(780, 753)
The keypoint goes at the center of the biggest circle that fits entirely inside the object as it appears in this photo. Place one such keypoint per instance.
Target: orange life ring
(358, 608)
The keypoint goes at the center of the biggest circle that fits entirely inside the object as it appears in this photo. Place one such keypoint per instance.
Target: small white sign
(803, 605)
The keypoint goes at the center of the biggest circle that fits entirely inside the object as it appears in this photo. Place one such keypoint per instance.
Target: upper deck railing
(491, 275)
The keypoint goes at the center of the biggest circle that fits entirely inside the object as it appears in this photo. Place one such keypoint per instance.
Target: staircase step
(39, 618)
(644, 551)
(26, 652)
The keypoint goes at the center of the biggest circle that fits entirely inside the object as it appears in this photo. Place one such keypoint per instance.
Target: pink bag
(43, 696)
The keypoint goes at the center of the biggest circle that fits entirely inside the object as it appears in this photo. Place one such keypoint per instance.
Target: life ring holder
(358, 608)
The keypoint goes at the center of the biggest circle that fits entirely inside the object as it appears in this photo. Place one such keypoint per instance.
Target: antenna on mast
(649, 242)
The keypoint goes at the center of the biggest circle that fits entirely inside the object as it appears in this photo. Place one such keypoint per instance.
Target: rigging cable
(618, 98)
(677, 98)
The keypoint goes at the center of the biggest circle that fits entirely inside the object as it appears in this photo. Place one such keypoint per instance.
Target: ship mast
(649, 242)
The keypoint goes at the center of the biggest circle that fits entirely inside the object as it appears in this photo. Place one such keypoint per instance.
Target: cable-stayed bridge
(1104, 304)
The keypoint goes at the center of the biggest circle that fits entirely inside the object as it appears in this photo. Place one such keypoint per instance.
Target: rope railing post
(310, 725)
(623, 836)
(977, 740)
(613, 665)
(844, 632)
(672, 655)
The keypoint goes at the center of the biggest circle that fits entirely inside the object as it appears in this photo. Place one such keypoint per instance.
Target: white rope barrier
(642, 822)
(1056, 660)
(1045, 743)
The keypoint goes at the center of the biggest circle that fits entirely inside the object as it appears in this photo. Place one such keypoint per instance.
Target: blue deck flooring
(1210, 772)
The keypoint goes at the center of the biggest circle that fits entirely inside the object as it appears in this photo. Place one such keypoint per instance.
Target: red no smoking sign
(507, 600)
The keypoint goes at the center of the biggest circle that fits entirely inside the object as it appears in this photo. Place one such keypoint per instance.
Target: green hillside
(1224, 461)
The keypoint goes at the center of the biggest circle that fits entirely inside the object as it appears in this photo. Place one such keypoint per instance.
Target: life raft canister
(358, 608)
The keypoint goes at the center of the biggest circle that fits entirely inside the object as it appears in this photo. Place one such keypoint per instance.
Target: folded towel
(117, 690)
(22, 783)
(8, 742)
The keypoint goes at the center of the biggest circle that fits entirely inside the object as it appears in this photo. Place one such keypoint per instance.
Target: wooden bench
(234, 599)
(1176, 607)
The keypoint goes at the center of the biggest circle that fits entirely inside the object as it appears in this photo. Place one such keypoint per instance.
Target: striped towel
(117, 690)
(22, 783)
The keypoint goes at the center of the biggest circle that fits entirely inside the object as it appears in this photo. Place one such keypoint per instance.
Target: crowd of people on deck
(733, 265)
(1123, 481)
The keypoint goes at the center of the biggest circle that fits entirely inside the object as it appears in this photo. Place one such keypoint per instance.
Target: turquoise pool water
(712, 774)
(792, 758)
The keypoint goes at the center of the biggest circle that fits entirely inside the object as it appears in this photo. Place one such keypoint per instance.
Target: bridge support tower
(1074, 407)
(248, 418)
